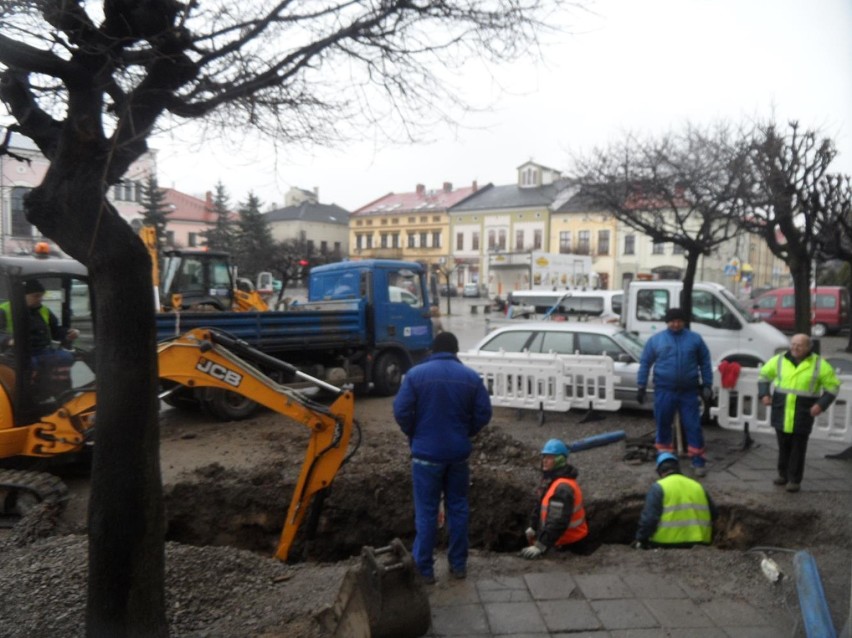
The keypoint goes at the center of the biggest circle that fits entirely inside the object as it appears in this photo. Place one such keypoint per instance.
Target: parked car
(471, 290)
(830, 305)
(448, 291)
(567, 337)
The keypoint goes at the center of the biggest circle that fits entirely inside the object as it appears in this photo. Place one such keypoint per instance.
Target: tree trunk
(801, 274)
(688, 281)
(126, 519)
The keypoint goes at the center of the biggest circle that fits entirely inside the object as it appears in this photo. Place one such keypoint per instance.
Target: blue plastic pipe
(815, 612)
(597, 440)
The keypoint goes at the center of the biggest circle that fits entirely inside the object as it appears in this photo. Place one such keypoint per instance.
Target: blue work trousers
(667, 403)
(430, 480)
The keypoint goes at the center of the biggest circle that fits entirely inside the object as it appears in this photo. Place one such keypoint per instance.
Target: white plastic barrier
(733, 412)
(553, 382)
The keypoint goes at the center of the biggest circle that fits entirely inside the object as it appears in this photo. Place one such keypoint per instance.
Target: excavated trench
(217, 506)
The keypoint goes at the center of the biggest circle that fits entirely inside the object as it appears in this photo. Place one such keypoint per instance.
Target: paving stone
(513, 618)
(459, 620)
(550, 585)
(733, 613)
(568, 615)
(600, 586)
(635, 633)
(653, 586)
(696, 632)
(752, 632)
(623, 614)
(454, 592)
(504, 582)
(581, 634)
(505, 596)
(678, 613)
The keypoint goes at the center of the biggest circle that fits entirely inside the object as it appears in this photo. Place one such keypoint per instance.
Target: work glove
(707, 393)
(638, 545)
(640, 396)
(530, 534)
(533, 551)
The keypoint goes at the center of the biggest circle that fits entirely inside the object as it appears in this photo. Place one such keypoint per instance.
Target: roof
(419, 201)
(188, 208)
(309, 211)
(510, 196)
(573, 200)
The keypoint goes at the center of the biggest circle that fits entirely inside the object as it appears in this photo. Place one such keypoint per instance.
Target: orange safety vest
(577, 527)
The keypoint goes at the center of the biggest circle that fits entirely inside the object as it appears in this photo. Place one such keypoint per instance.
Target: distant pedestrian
(559, 517)
(683, 375)
(441, 405)
(678, 510)
(805, 385)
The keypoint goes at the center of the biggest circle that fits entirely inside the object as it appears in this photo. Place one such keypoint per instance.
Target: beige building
(412, 226)
(322, 229)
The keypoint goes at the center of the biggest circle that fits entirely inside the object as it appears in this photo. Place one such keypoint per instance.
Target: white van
(729, 330)
(596, 305)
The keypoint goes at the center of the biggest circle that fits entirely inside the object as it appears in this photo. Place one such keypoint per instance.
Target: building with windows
(412, 226)
(496, 229)
(188, 219)
(19, 176)
(321, 229)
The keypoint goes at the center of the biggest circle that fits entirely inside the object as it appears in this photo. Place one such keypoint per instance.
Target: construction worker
(678, 510)
(682, 371)
(805, 385)
(44, 328)
(559, 517)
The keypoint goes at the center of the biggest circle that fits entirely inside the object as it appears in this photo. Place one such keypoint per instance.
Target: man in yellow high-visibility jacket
(805, 385)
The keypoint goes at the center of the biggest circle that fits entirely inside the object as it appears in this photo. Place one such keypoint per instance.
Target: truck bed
(321, 325)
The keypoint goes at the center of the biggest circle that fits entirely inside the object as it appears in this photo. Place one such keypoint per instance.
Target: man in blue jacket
(442, 404)
(682, 373)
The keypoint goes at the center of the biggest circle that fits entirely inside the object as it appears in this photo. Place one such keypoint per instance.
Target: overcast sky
(643, 66)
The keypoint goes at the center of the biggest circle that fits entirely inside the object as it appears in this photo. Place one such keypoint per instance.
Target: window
(369, 242)
(501, 239)
(359, 241)
(597, 345)
(395, 240)
(565, 242)
(411, 220)
(514, 341)
(192, 239)
(474, 240)
(436, 239)
(411, 237)
(677, 249)
(337, 248)
(323, 247)
(424, 219)
(709, 310)
(437, 219)
(383, 240)
(359, 222)
(519, 240)
(459, 241)
(423, 237)
(492, 240)
(558, 342)
(384, 221)
(170, 237)
(651, 305)
(311, 244)
(788, 301)
(658, 249)
(583, 240)
(403, 288)
(766, 303)
(20, 226)
(395, 220)
(630, 244)
(603, 242)
(537, 238)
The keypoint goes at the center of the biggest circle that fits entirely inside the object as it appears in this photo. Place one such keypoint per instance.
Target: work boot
(458, 574)
(779, 480)
(427, 580)
(793, 487)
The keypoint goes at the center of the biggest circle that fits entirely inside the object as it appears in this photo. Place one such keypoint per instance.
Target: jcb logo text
(220, 372)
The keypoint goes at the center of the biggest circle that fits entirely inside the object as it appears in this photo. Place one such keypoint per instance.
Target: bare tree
(782, 181)
(835, 234)
(88, 84)
(679, 188)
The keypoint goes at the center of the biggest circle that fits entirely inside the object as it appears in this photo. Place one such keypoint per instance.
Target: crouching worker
(678, 510)
(559, 517)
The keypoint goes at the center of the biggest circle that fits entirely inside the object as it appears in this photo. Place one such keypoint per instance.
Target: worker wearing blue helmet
(678, 510)
(559, 517)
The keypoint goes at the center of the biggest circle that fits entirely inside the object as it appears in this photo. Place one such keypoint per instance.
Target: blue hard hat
(666, 456)
(555, 447)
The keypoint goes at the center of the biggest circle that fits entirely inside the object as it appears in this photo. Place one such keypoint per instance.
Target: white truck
(729, 330)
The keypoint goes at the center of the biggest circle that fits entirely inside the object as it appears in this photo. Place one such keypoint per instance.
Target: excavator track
(21, 491)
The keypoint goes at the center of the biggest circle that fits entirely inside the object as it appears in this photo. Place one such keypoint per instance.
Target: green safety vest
(6, 308)
(686, 513)
(806, 380)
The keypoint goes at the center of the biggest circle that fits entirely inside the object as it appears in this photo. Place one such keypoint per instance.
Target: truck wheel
(229, 406)
(387, 374)
(819, 330)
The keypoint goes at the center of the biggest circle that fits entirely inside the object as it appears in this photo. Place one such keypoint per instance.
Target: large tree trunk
(800, 270)
(126, 520)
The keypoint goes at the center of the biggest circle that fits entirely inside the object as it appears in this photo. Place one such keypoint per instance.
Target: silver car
(565, 337)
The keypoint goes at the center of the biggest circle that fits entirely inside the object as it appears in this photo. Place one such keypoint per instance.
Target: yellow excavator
(55, 415)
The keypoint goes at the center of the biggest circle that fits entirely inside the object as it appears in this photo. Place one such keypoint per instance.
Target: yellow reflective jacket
(797, 389)
(686, 516)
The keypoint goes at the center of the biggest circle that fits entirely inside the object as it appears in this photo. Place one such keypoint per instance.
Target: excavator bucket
(382, 597)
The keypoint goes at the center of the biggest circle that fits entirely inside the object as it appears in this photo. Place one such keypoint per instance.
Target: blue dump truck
(365, 323)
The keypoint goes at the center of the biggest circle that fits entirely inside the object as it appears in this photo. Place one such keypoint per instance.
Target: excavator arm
(206, 358)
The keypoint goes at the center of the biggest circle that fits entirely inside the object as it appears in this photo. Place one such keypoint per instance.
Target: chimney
(448, 187)
(475, 186)
(208, 200)
(421, 190)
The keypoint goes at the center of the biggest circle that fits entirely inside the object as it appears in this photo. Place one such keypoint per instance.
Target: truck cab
(729, 330)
